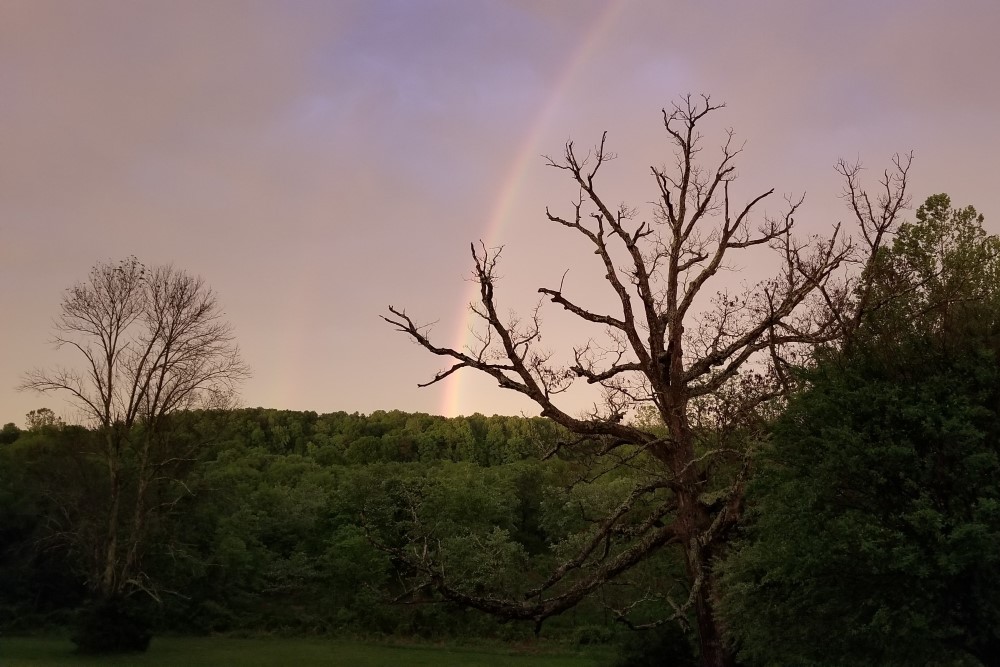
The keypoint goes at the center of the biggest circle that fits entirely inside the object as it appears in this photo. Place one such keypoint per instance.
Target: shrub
(665, 645)
(112, 625)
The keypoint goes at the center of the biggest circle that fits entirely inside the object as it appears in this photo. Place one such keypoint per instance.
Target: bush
(113, 625)
(665, 645)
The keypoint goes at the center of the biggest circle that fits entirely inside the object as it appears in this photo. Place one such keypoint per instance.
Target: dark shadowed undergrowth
(214, 651)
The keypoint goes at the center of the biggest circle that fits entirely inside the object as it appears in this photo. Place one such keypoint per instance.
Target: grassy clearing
(214, 652)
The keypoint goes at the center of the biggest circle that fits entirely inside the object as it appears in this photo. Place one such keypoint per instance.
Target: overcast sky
(318, 161)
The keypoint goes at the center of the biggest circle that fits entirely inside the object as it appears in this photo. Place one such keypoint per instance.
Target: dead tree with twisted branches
(710, 367)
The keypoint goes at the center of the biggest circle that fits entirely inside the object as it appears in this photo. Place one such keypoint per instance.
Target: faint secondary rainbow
(526, 154)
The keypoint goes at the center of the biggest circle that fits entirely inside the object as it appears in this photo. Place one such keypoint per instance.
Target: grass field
(216, 652)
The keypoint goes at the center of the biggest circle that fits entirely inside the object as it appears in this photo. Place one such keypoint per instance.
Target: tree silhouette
(710, 368)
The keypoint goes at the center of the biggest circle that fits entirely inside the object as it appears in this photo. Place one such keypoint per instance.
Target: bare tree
(151, 342)
(710, 367)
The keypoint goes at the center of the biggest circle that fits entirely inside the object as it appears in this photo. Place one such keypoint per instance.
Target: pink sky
(318, 161)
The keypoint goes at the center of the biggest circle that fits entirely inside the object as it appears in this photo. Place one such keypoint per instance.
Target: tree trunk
(714, 652)
(694, 521)
(107, 584)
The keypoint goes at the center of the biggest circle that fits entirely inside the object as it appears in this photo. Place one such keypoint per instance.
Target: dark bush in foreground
(666, 645)
(115, 625)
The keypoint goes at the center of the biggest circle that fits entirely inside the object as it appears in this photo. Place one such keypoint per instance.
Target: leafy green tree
(875, 531)
(43, 418)
(9, 433)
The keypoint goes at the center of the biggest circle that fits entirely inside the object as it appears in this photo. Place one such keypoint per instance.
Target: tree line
(274, 530)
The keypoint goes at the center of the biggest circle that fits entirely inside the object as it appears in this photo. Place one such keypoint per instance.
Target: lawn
(215, 652)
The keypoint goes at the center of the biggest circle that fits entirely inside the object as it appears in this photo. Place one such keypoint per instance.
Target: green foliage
(940, 277)
(9, 433)
(875, 514)
(42, 419)
(39, 584)
(273, 537)
(275, 530)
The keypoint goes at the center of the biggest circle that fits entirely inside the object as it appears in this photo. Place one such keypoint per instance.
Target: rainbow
(451, 404)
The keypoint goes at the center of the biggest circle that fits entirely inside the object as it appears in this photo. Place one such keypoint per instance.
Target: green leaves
(875, 507)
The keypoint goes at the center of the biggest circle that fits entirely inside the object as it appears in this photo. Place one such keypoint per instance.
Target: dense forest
(286, 523)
